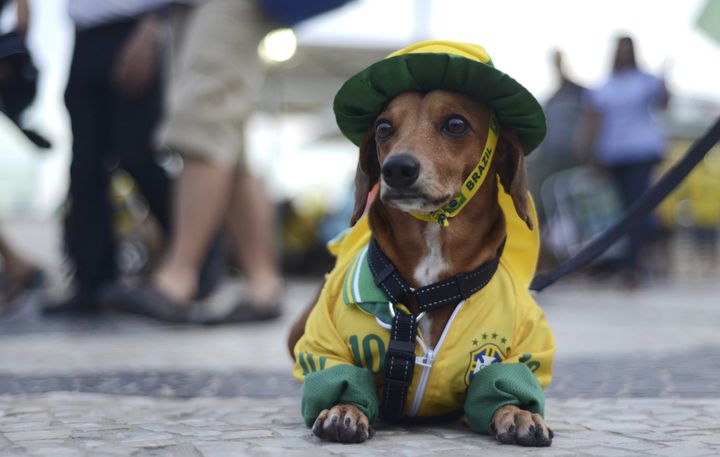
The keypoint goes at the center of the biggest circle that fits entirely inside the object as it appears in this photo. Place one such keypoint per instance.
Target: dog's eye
(455, 126)
(384, 130)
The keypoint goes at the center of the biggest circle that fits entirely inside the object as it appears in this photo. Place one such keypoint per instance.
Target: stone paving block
(349, 449)
(17, 424)
(14, 453)
(608, 451)
(245, 434)
(609, 425)
(710, 439)
(280, 442)
(175, 428)
(112, 450)
(141, 438)
(687, 449)
(63, 451)
(282, 452)
(38, 435)
(180, 450)
(295, 432)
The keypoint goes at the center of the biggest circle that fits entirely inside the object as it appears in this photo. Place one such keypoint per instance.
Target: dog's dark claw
(508, 436)
(534, 437)
(337, 425)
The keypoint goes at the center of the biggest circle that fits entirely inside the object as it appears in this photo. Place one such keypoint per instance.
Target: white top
(628, 132)
(91, 13)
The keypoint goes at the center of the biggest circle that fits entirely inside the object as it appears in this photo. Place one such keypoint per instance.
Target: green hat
(428, 65)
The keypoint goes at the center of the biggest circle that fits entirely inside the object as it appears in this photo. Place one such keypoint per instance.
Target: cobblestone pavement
(636, 373)
(74, 424)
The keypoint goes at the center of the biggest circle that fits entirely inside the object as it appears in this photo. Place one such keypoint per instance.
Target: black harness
(400, 355)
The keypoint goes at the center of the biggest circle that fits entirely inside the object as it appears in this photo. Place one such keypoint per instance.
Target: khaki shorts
(214, 75)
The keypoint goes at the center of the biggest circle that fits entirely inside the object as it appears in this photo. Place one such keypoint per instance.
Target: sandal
(247, 312)
(145, 299)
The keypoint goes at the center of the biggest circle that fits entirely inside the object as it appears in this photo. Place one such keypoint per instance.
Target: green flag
(709, 20)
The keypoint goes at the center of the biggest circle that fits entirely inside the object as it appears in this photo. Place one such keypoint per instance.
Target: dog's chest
(432, 264)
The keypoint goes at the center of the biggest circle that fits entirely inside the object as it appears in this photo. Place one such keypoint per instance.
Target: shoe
(145, 299)
(247, 312)
(80, 302)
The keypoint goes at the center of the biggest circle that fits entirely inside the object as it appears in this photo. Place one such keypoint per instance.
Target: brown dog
(421, 149)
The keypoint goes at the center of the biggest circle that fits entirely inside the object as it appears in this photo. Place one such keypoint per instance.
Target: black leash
(634, 215)
(400, 355)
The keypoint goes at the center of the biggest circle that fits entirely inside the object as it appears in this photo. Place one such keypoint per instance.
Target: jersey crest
(485, 355)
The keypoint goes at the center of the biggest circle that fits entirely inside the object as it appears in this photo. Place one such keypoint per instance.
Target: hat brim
(365, 95)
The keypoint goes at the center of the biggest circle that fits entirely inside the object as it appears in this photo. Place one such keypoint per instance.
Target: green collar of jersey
(359, 288)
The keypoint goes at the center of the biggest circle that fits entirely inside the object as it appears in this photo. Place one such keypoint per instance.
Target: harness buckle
(393, 312)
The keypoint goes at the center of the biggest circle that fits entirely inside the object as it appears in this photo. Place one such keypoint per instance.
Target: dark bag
(290, 12)
(18, 83)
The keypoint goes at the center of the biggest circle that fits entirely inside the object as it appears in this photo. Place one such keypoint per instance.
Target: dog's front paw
(512, 425)
(344, 424)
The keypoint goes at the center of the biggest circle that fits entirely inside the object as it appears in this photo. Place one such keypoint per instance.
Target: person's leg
(13, 263)
(209, 98)
(18, 271)
(201, 199)
(251, 222)
(88, 230)
(632, 180)
(135, 118)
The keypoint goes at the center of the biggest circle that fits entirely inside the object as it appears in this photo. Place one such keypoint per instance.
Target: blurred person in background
(627, 140)
(557, 152)
(18, 79)
(215, 74)
(114, 101)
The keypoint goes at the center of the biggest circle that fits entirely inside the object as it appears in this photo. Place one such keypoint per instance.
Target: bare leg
(251, 223)
(17, 269)
(201, 202)
(14, 264)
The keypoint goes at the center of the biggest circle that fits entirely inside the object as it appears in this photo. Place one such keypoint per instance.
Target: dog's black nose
(400, 171)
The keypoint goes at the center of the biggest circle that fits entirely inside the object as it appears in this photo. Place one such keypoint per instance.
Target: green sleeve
(498, 385)
(346, 384)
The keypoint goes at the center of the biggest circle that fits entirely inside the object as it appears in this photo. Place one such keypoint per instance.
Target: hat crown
(468, 50)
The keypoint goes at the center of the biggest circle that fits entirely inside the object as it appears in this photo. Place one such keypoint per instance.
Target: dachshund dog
(420, 151)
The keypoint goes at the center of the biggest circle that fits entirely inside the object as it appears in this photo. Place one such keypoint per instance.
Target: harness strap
(400, 356)
(436, 295)
(399, 366)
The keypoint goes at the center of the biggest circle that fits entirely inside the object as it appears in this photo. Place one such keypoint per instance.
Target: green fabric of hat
(429, 65)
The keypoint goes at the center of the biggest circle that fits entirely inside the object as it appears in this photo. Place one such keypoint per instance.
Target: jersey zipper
(426, 362)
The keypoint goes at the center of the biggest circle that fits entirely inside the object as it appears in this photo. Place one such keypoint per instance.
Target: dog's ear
(366, 175)
(510, 166)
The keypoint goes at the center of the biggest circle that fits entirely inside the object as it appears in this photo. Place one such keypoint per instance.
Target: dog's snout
(400, 171)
